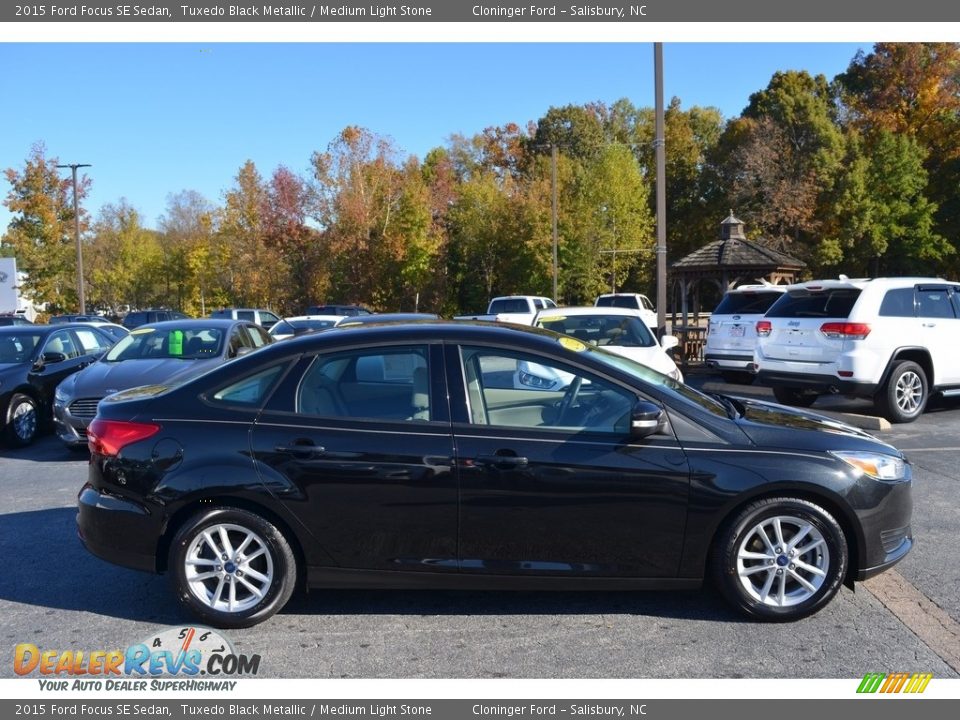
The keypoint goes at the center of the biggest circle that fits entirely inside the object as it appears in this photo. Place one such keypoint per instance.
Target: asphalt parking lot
(57, 596)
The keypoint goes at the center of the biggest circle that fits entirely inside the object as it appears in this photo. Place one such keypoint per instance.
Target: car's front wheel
(794, 397)
(780, 559)
(904, 397)
(231, 567)
(23, 420)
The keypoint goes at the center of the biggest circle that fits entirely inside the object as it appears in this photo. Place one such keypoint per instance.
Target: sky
(154, 119)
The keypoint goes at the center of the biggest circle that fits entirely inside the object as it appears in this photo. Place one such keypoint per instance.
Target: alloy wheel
(229, 568)
(782, 561)
(909, 392)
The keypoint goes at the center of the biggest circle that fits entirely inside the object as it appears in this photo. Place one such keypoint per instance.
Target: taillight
(764, 327)
(845, 331)
(109, 437)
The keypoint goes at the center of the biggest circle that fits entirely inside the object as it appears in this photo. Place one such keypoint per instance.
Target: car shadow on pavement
(46, 566)
(51, 569)
(46, 448)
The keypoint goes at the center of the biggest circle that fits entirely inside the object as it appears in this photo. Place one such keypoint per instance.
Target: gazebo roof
(736, 253)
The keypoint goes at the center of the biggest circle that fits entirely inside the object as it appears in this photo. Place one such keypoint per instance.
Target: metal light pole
(553, 158)
(76, 231)
(659, 144)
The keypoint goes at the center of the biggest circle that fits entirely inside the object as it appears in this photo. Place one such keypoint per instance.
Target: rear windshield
(747, 303)
(835, 303)
(620, 301)
(509, 305)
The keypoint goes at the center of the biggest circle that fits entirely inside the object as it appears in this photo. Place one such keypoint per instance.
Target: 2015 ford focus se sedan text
(401, 456)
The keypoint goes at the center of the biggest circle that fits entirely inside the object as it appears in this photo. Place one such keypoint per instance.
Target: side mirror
(53, 357)
(646, 418)
(668, 342)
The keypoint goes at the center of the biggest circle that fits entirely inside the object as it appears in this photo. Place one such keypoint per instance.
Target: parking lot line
(935, 628)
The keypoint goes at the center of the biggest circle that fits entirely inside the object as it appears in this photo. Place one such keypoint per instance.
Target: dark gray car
(164, 352)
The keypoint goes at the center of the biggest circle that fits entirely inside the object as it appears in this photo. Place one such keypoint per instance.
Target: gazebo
(725, 263)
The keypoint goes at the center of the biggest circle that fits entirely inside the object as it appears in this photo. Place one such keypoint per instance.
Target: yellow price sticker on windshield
(142, 331)
(572, 344)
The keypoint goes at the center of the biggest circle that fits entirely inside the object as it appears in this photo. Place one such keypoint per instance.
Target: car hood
(652, 357)
(104, 378)
(769, 424)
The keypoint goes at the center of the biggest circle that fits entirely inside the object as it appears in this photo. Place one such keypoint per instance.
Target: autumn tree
(41, 233)
(241, 228)
(189, 262)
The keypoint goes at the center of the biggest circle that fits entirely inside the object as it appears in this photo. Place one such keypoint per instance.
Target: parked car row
(889, 340)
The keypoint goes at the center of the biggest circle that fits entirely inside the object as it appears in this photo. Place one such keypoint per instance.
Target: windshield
(618, 330)
(652, 377)
(291, 327)
(18, 347)
(161, 343)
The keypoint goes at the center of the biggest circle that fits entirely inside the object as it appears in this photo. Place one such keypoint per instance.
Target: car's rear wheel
(22, 420)
(231, 567)
(794, 397)
(780, 559)
(904, 397)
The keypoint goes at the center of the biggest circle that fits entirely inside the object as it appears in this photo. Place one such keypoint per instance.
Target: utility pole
(553, 175)
(659, 144)
(76, 232)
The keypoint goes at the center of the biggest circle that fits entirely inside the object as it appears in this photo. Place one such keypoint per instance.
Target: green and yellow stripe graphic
(894, 682)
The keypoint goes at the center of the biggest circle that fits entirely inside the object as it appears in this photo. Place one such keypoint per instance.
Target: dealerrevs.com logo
(894, 683)
(180, 652)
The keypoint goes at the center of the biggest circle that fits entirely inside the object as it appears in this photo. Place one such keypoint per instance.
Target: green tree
(41, 233)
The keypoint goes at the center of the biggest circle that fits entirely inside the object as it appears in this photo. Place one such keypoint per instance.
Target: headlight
(876, 465)
(536, 381)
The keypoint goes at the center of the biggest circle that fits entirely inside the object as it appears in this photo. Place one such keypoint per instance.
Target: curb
(864, 422)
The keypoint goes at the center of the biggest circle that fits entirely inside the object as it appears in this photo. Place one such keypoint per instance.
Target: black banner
(633, 11)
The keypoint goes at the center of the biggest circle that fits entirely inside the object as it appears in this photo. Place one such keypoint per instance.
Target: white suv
(631, 301)
(732, 334)
(888, 339)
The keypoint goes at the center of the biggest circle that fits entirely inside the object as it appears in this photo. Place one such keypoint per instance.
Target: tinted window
(16, 347)
(185, 344)
(248, 315)
(509, 305)
(898, 303)
(135, 319)
(386, 384)
(527, 391)
(258, 336)
(267, 317)
(620, 301)
(746, 303)
(619, 330)
(252, 390)
(934, 303)
(826, 303)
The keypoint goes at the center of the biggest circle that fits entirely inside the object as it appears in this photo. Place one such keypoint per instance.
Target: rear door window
(834, 303)
(934, 303)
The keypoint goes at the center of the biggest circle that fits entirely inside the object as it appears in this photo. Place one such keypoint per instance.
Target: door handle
(301, 448)
(504, 461)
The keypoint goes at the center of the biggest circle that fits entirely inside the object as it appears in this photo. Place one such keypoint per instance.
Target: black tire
(794, 397)
(905, 395)
(22, 421)
(735, 377)
(278, 563)
(746, 593)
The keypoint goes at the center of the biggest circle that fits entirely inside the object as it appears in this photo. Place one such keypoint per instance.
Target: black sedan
(33, 361)
(164, 352)
(403, 456)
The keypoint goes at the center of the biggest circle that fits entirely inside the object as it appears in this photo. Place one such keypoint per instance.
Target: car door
(59, 357)
(358, 442)
(551, 481)
(939, 327)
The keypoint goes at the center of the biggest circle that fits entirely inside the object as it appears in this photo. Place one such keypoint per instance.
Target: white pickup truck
(519, 309)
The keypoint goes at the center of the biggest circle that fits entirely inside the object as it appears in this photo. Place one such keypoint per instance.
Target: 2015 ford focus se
(401, 456)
